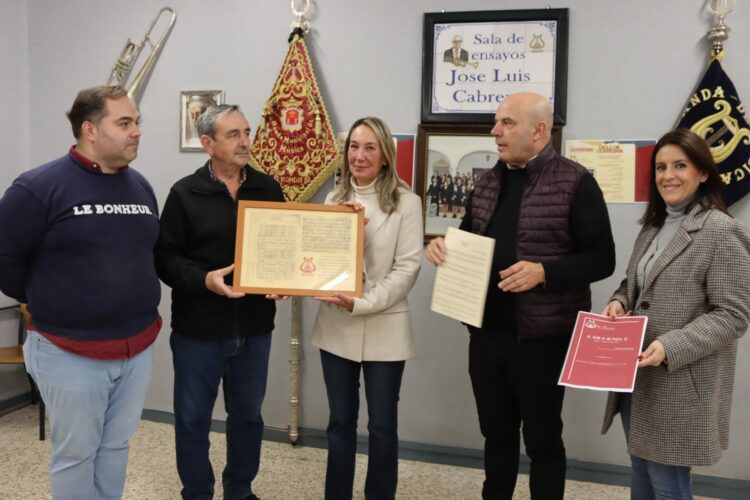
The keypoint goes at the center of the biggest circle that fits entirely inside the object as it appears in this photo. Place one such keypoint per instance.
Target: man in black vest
(553, 236)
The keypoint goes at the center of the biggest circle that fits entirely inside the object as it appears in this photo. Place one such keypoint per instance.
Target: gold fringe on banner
(295, 142)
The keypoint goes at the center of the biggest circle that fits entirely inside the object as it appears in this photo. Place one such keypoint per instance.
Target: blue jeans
(94, 406)
(652, 480)
(382, 385)
(241, 363)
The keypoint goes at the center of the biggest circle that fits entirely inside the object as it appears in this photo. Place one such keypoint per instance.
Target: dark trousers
(199, 365)
(516, 383)
(382, 385)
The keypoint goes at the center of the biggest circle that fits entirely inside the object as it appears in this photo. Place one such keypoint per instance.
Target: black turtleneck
(590, 230)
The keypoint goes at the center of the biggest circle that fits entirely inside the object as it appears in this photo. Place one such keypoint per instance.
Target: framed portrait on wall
(194, 103)
(473, 60)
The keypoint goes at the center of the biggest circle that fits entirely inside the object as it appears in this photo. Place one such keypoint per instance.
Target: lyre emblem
(537, 43)
(721, 140)
(307, 265)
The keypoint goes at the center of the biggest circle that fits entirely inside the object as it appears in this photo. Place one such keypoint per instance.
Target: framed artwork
(194, 103)
(473, 60)
(450, 160)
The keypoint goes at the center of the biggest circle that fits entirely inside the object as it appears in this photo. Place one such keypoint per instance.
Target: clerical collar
(519, 167)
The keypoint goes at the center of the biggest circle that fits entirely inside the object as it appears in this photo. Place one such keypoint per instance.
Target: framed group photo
(193, 103)
(473, 60)
(450, 159)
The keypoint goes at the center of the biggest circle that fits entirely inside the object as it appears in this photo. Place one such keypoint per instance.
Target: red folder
(603, 353)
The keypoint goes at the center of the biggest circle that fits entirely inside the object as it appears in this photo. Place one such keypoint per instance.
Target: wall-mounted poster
(621, 168)
(473, 60)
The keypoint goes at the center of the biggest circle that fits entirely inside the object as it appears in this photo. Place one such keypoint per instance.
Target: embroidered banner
(715, 112)
(294, 141)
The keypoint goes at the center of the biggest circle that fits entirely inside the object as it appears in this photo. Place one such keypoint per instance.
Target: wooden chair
(13, 355)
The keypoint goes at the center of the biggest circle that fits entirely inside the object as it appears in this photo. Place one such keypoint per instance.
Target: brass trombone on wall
(130, 53)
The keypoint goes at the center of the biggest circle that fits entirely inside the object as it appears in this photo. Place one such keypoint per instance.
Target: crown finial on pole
(719, 32)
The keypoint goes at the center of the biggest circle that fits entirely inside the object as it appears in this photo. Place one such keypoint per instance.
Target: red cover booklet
(603, 353)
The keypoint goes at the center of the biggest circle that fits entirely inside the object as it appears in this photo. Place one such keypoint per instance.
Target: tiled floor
(287, 472)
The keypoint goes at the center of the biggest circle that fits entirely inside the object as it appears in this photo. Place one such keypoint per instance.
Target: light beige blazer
(379, 327)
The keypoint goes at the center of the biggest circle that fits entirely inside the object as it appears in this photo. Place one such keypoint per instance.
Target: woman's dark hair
(697, 151)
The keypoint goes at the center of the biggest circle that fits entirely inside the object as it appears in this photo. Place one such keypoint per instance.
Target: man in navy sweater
(76, 243)
(219, 335)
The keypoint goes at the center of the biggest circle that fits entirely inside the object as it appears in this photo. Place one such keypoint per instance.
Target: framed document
(611, 163)
(473, 60)
(298, 249)
(622, 168)
(603, 353)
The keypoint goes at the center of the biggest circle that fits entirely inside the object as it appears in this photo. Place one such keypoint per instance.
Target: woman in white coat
(371, 334)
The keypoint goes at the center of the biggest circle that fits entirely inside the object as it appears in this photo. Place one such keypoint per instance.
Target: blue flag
(715, 113)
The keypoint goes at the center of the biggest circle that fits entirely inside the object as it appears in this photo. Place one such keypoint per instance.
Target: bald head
(523, 127)
(536, 107)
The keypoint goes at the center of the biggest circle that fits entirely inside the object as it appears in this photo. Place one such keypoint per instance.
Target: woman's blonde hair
(388, 181)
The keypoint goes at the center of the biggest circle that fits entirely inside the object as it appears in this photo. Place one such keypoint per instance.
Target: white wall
(632, 66)
(14, 143)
